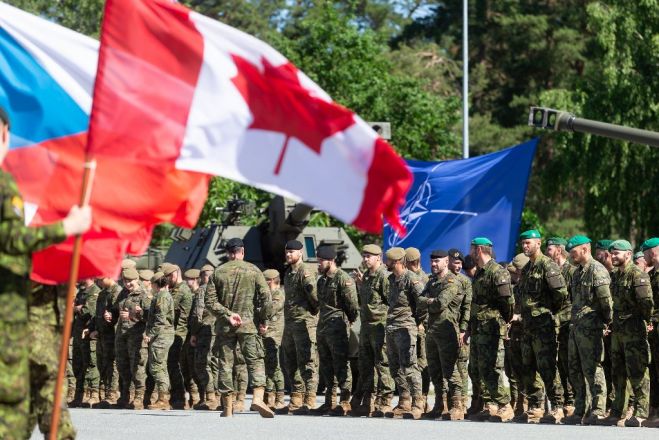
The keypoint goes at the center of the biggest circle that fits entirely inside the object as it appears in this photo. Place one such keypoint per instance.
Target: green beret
(531, 233)
(576, 240)
(556, 241)
(207, 268)
(157, 276)
(128, 263)
(191, 273)
(372, 249)
(169, 268)
(146, 274)
(650, 243)
(603, 244)
(412, 254)
(130, 274)
(395, 254)
(620, 245)
(481, 241)
(271, 274)
(638, 255)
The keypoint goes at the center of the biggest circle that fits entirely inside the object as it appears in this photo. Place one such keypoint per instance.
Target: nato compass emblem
(417, 206)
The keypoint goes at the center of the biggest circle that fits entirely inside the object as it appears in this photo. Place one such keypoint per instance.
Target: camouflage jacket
(443, 298)
(87, 298)
(654, 282)
(161, 315)
(200, 318)
(238, 287)
(403, 300)
(337, 297)
(423, 277)
(47, 304)
(632, 298)
(106, 299)
(492, 295)
(301, 295)
(543, 292)
(275, 322)
(465, 308)
(563, 315)
(373, 296)
(128, 301)
(591, 297)
(182, 297)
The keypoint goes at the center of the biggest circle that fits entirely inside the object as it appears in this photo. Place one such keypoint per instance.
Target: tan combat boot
(201, 404)
(416, 411)
(488, 411)
(162, 402)
(573, 419)
(344, 406)
(138, 400)
(457, 411)
(86, 394)
(293, 405)
(382, 406)
(613, 419)
(211, 401)
(568, 410)
(227, 405)
(531, 415)
(504, 414)
(195, 398)
(366, 406)
(404, 407)
(259, 405)
(239, 403)
(436, 412)
(308, 405)
(94, 398)
(70, 394)
(553, 417)
(269, 399)
(327, 406)
(101, 394)
(279, 400)
(520, 406)
(445, 405)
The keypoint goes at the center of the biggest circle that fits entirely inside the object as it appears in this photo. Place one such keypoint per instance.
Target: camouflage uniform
(337, 297)
(463, 355)
(84, 350)
(272, 342)
(543, 292)
(591, 311)
(653, 337)
(514, 360)
(160, 329)
(563, 324)
(182, 297)
(47, 305)
(17, 242)
(421, 351)
(630, 353)
(202, 325)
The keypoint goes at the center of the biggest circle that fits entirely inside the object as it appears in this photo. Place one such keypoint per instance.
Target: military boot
(327, 406)
(138, 401)
(122, 401)
(418, 406)
(382, 406)
(77, 398)
(211, 401)
(531, 415)
(162, 402)
(476, 407)
(487, 412)
(520, 406)
(457, 411)
(84, 403)
(365, 407)
(239, 403)
(445, 405)
(294, 404)
(269, 399)
(101, 394)
(653, 419)
(568, 410)
(437, 410)
(227, 405)
(308, 404)
(594, 419)
(94, 398)
(259, 405)
(404, 407)
(613, 419)
(344, 406)
(70, 395)
(634, 422)
(195, 398)
(553, 417)
(574, 419)
(279, 400)
(504, 413)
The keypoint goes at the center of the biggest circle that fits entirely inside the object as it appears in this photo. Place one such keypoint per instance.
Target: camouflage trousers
(443, 349)
(401, 351)
(174, 359)
(472, 369)
(190, 380)
(489, 357)
(463, 368)
(158, 353)
(205, 363)
(422, 359)
(586, 352)
(131, 354)
(240, 373)
(70, 377)
(539, 354)
(373, 362)
(515, 370)
(653, 339)
(14, 380)
(630, 358)
(251, 347)
(563, 364)
(107, 365)
(274, 375)
(333, 353)
(300, 356)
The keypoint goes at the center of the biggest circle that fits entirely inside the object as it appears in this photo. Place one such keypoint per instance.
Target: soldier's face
(455, 265)
(438, 265)
(530, 246)
(324, 265)
(553, 251)
(652, 256)
(131, 285)
(578, 253)
(273, 283)
(371, 261)
(205, 276)
(603, 256)
(147, 284)
(640, 262)
(620, 258)
(293, 256)
(192, 283)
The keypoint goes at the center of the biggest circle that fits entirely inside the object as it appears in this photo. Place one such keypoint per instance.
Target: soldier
(591, 312)
(182, 305)
(84, 348)
(542, 292)
(603, 255)
(401, 335)
(556, 251)
(373, 291)
(491, 311)
(650, 248)
(238, 296)
(337, 297)
(300, 322)
(272, 332)
(632, 310)
(202, 338)
(159, 335)
(191, 277)
(445, 295)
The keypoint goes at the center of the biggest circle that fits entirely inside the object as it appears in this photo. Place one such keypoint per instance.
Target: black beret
(294, 245)
(455, 253)
(234, 243)
(439, 253)
(326, 252)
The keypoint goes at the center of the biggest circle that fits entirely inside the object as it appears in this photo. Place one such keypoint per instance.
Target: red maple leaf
(280, 103)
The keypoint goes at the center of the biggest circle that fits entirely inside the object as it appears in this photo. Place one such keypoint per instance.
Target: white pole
(465, 80)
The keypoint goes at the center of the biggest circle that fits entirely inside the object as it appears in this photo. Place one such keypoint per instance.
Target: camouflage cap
(620, 245)
(157, 276)
(146, 274)
(372, 249)
(271, 274)
(519, 261)
(395, 254)
(169, 268)
(603, 244)
(130, 274)
(576, 240)
(556, 241)
(531, 233)
(481, 241)
(638, 255)
(650, 243)
(128, 263)
(191, 273)
(412, 254)
(207, 268)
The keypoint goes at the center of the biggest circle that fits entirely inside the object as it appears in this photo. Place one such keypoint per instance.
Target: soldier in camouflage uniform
(603, 255)
(591, 313)
(239, 297)
(337, 297)
(401, 335)
(159, 335)
(630, 353)
(182, 305)
(650, 248)
(377, 384)
(491, 311)
(300, 322)
(84, 347)
(272, 332)
(445, 296)
(556, 251)
(191, 277)
(17, 242)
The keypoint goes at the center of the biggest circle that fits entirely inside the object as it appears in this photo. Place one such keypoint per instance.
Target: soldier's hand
(78, 308)
(193, 340)
(124, 315)
(85, 332)
(235, 320)
(147, 339)
(465, 337)
(461, 340)
(606, 331)
(107, 316)
(78, 221)
(516, 317)
(358, 276)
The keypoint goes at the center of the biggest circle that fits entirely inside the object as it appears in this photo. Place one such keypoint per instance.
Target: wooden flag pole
(87, 183)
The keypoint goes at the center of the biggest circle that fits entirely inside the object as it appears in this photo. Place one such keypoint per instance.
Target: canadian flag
(179, 96)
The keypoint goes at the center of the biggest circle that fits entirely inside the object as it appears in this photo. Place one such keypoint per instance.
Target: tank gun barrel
(547, 118)
(298, 215)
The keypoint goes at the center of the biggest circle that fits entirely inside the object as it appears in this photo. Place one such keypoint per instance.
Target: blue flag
(452, 202)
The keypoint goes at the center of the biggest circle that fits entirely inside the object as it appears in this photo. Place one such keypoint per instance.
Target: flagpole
(465, 80)
(87, 183)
